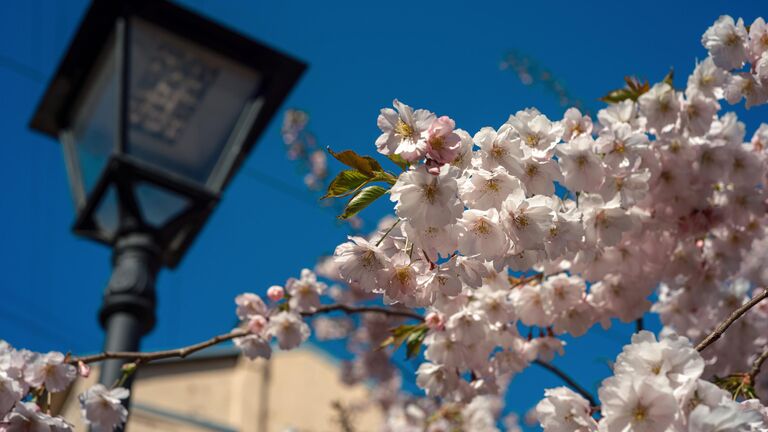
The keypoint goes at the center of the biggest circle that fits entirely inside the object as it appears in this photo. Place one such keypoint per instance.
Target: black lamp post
(156, 108)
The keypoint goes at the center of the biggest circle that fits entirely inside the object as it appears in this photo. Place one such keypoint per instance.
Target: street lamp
(156, 108)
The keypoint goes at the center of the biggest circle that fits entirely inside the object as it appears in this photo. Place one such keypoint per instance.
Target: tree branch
(568, 380)
(145, 357)
(715, 335)
(757, 364)
(350, 310)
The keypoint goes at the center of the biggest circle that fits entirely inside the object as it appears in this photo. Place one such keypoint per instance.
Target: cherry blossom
(443, 144)
(582, 168)
(425, 199)
(575, 124)
(537, 135)
(488, 189)
(10, 393)
(102, 408)
(289, 330)
(359, 261)
(726, 42)
(50, 370)
(254, 346)
(632, 403)
(404, 131)
(305, 292)
(660, 106)
(563, 410)
(707, 79)
(27, 416)
(250, 305)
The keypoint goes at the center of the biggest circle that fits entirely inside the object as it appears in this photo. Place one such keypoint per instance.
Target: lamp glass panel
(158, 206)
(107, 214)
(94, 126)
(185, 100)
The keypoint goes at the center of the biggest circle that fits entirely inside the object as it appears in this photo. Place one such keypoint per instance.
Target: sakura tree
(504, 241)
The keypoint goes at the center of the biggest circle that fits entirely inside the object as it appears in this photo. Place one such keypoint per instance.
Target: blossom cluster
(660, 191)
(730, 47)
(550, 226)
(25, 376)
(656, 387)
(285, 324)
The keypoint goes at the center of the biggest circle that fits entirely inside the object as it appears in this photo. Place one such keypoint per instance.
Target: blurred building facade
(297, 391)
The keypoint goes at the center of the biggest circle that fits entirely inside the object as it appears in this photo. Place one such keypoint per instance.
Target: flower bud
(275, 293)
(434, 320)
(129, 368)
(83, 369)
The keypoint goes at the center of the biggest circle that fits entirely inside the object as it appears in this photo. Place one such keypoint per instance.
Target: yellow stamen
(404, 129)
(482, 227)
(639, 414)
(403, 275)
(430, 193)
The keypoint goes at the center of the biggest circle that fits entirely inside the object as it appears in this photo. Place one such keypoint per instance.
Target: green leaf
(362, 200)
(346, 182)
(635, 86)
(633, 90)
(387, 342)
(399, 334)
(738, 385)
(397, 159)
(414, 341)
(669, 77)
(404, 330)
(349, 182)
(365, 164)
(616, 96)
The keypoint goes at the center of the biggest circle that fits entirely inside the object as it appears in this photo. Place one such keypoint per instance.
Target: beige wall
(294, 391)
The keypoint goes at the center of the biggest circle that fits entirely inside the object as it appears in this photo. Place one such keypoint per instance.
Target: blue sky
(443, 56)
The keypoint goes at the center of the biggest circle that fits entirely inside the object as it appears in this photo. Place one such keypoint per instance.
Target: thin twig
(757, 364)
(516, 282)
(538, 277)
(568, 380)
(145, 357)
(363, 309)
(639, 325)
(715, 335)
(387, 232)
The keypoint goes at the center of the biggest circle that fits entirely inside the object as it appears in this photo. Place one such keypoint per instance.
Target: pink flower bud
(275, 293)
(257, 323)
(83, 369)
(434, 320)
